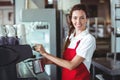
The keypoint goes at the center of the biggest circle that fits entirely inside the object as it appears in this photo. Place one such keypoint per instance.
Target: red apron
(79, 73)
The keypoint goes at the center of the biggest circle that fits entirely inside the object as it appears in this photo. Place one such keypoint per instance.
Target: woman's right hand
(39, 48)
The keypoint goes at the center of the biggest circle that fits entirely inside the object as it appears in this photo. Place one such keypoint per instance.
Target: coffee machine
(41, 27)
(10, 55)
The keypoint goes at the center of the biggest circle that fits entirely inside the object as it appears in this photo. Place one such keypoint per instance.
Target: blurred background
(46, 22)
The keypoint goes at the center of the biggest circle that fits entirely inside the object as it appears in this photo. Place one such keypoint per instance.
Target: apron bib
(79, 73)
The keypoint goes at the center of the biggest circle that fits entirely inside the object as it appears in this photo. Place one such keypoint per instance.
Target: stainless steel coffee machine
(9, 57)
(41, 27)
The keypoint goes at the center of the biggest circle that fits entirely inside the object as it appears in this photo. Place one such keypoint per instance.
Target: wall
(6, 15)
(103, 8)
(66, 5)
(6, 12)
(22, 4)
(19, 5)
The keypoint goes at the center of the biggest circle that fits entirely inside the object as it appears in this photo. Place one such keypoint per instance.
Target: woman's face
(79, 19)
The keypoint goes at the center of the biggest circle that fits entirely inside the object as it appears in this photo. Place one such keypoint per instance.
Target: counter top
(107, 65)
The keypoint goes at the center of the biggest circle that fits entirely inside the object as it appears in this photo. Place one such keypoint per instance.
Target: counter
(106, 65)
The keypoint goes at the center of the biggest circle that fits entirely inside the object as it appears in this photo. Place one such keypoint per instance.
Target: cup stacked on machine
(8, 35)
(2, 35)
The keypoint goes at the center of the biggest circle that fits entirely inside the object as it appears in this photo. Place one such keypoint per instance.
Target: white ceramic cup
(10, 30)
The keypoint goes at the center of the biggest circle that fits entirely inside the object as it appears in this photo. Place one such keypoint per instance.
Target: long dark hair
(75, 7)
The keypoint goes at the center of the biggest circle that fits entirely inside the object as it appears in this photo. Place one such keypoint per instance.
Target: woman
(79, 48)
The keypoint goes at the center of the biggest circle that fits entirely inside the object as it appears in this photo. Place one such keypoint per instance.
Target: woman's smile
(79, 19)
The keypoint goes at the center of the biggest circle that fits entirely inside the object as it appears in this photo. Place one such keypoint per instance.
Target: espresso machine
(12, 53)
(41, 27)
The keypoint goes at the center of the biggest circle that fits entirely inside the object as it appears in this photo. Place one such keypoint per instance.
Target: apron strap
(77, 44)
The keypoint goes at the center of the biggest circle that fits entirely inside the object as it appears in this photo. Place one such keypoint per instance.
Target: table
(107, 65)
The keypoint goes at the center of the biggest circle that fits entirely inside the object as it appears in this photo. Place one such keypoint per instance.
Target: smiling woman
(79, 47)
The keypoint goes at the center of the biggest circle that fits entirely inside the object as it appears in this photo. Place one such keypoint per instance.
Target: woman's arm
(65, 63)
(46, 61)
(58, 61)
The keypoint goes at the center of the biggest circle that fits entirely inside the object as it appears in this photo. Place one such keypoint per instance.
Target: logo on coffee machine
(41, 27)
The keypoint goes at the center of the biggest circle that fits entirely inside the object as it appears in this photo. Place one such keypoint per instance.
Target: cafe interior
(46, 21)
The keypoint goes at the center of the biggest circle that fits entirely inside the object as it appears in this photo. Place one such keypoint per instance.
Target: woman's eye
(82, 17)
(75, 18)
